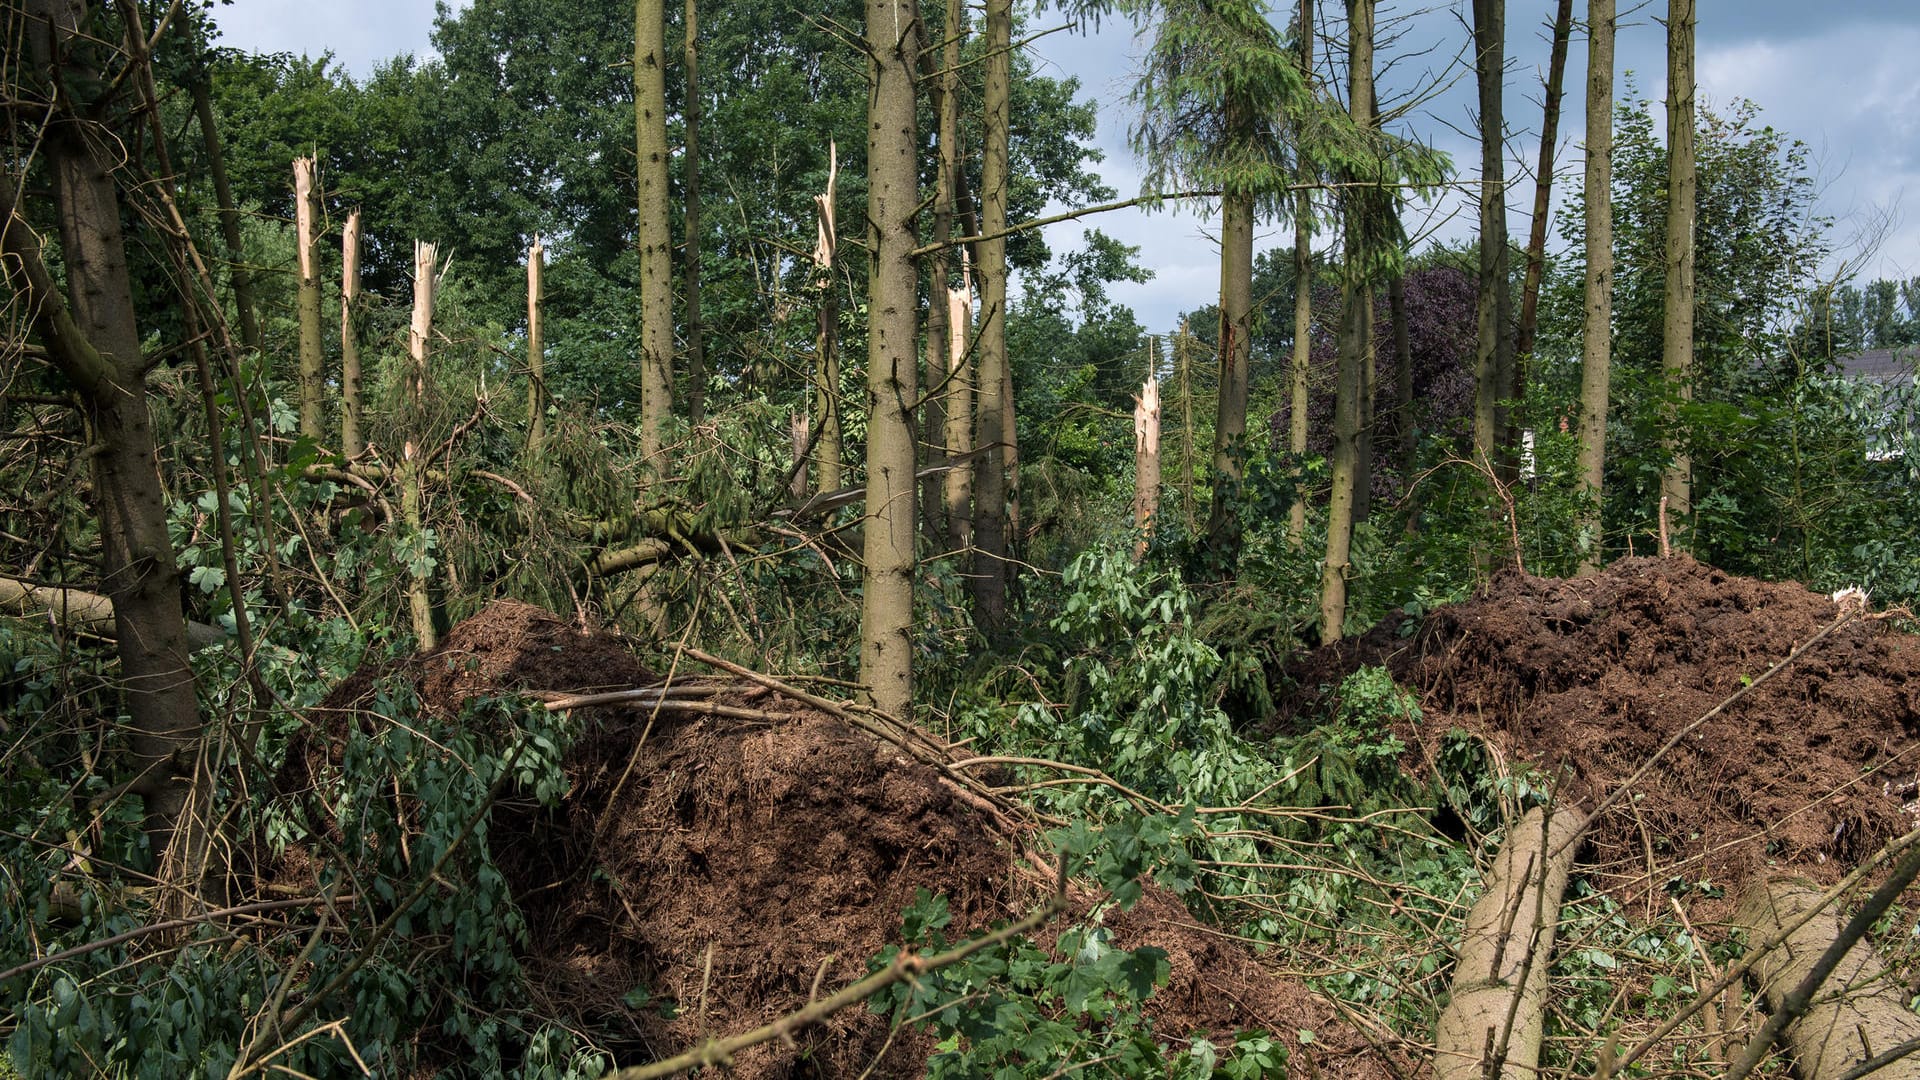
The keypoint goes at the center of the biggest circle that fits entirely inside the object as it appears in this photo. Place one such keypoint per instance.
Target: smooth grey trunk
(1596, 350)
(886, 610)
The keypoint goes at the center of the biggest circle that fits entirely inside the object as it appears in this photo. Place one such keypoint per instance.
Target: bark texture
(1542, 193)
(1676, 481)
(313, 362)
(886, 612)
(1298, 383)
(1858, 1012)
(413, 463)
(990, 500)
(690, 253)
(237, 273)
(656, 228)
(1596, 349)
(1236, 354)
(1492, 1025)
(1493, 354)
(1350, 350)
(95, 343)
(536, 347)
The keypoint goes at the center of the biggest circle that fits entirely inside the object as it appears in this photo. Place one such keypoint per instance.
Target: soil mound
(1590, 676)
(716, 861)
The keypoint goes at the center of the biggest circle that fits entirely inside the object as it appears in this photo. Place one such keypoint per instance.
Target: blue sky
(1839, 76)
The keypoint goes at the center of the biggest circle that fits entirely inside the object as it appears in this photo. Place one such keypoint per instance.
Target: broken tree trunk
(352, 441)
(536, 348)
(312, 359)
(413, 455)
(82, 611)
(1146, 463)
(1492, 1026)
(1857, 1013)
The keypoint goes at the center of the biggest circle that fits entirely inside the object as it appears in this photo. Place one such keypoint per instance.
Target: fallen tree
(84, 612)
(1492, 1025)
(1846, 1022)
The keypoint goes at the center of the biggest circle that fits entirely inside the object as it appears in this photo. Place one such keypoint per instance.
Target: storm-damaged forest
(651, 540)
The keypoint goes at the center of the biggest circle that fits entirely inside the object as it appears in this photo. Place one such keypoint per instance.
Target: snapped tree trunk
(1676, 481)
(313, 363)
(1183, 359)
(352, 410)
(990, 481)
(656, 228)
(1146, 464)
(413, 464)
(958, 492)
(1351, 345)
(1236, 353)
(95, 344)
(1492, 1025)
(826, 373)
(237, 273)
(536, 347)
(1596, 349)
(1493, 351)
(1298, 379)
(886, 611)
(690, 254)
(1857, 1013)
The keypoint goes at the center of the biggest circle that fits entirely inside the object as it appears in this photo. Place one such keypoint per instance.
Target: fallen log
(1492, 1025)
(1856, 1014)
(85, 612)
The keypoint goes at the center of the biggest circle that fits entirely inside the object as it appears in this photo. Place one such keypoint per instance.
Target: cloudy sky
(1840, 76)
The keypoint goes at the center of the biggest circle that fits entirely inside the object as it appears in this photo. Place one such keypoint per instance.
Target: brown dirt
(1592, 675)
(719, 867)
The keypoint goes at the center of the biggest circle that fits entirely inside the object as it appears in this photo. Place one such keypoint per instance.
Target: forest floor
(709, 871)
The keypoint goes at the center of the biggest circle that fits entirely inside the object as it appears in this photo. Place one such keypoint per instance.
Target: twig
(161, 928)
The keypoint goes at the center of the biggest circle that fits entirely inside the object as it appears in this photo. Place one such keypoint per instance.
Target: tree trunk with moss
(95, 344)
(1350, 349)
(989, 580)
(1596, 350)
(1676, 481)
(313, 364)
(1298, 386)
(1493, 350)
(886, 612)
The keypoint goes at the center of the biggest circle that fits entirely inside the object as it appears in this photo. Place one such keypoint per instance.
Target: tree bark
(656, 229)
(696, 330)
(1493, 352)
(1236, 353)
(958, 481)
(886, 613)
(96, 345)
(1857, 1012)
(1298, 382)
(1542, 195)
(1676, 481)
(536, 346)
(945, 435)
(1146, 464)
(989, 580)
(1500, 983)
(412, 460)
(1351, 348)
(826, 373)
(84, 612)
(352, 409)
(1596, 350)
(237, 273)
(313, 361)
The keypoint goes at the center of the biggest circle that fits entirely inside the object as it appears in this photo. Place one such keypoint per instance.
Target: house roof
(1880, 365)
